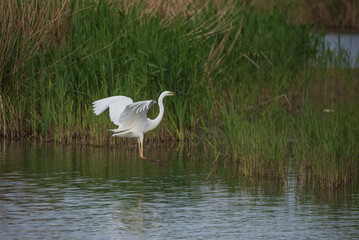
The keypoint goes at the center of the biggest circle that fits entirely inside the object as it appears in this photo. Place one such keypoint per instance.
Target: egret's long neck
(157, 120)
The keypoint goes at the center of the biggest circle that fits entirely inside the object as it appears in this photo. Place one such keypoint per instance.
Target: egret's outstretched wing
(135, 110)
(116, 105)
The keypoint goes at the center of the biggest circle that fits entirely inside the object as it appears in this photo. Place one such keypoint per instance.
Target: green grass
(327, 145)
(231, 62)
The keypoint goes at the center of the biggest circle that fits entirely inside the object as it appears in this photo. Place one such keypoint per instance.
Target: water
(74, 192)
(346, 46)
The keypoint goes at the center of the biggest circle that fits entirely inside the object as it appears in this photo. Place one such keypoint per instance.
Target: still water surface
(349, 43)
(74, 192)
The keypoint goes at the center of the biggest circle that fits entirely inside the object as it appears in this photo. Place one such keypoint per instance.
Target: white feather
(141, 108)
(116, 105)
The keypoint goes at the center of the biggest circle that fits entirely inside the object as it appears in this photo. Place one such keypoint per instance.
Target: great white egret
(131, 117)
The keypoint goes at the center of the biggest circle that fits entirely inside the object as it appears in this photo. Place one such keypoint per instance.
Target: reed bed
(329, 14)
(342, 14)
(254, 87)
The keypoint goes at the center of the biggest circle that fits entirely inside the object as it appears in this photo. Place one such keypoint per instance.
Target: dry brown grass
(169, 9)
(343, 14)
(339, 14)
(26, 27)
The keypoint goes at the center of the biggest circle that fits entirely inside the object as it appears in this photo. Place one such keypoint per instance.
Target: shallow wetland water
(75, 192)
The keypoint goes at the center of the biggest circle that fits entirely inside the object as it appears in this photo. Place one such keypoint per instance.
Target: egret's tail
(122, 134)
(118, 130)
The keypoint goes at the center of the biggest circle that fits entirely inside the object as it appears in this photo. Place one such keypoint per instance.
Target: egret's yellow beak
(174, 94)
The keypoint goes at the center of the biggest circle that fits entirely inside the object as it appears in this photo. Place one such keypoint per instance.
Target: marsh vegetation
(258, 91)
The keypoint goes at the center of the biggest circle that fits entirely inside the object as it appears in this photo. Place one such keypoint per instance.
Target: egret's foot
(161, 163)
(158, 162)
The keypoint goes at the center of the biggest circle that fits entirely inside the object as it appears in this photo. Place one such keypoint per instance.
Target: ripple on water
(165, 203)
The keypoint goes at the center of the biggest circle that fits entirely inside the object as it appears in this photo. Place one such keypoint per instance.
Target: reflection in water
(75, 192)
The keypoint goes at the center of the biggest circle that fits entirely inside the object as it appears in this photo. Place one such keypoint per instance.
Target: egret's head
(169, 93)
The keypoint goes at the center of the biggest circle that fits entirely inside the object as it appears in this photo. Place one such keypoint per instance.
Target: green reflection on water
(75, 192)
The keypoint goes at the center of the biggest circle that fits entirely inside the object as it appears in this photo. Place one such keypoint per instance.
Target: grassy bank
(254, 88)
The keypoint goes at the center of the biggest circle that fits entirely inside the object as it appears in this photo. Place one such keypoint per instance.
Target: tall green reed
(113, 51)
(228, 61)
(326, 150)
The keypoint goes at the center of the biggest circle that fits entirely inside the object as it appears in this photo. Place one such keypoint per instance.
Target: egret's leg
(140, 144)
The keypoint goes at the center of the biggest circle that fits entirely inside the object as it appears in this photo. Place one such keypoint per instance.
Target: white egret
(131, 117)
